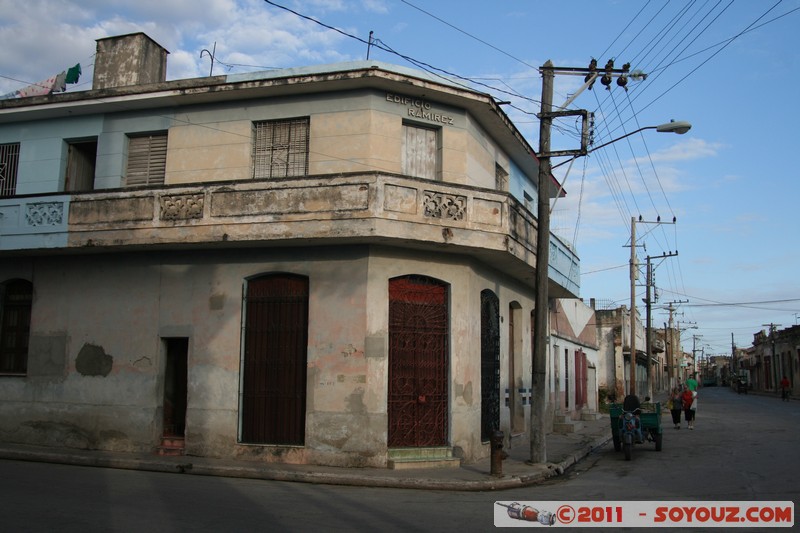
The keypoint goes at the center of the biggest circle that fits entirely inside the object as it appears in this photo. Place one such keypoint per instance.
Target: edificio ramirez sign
(419, 108)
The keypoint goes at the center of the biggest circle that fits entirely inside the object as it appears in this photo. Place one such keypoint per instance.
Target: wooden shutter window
(147, 159)
(420, 147)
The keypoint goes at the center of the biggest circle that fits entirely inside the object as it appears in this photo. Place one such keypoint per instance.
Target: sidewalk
(562, 452)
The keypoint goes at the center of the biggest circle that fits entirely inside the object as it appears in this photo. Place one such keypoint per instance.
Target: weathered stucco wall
(131, 267)
(97, 354)
(133, 59)
(93, 374)
(213, 151)
(354, 132)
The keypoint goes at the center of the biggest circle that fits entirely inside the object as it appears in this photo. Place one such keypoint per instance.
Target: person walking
(691, 383)
(675, 405)
(689, 403)
(785, 389)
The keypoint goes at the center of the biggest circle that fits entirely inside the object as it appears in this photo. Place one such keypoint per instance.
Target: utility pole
(667, 342)
(648, 340)
(694, 352)
(772, 328)
(649, 331)
(633, 276)
(541, 331)
(540, 327)
(676, 342)
(673, 372)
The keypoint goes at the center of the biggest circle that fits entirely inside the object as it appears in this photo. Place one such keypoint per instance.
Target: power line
(709, 58)
(625, 27)
(626, 265)
(745, 304)
(469, 35)
(679, 56)
(436, 71)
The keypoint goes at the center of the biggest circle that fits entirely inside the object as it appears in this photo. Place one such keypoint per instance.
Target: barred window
(147, 159)
(16, 297)
(500, 178)
(9, 162)
(280, 148)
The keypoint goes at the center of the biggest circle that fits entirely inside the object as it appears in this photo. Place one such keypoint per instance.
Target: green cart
(650, 420)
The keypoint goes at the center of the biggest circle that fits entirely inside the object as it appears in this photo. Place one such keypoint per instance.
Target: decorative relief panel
(44, 214)
(441, 205)
(181, 206)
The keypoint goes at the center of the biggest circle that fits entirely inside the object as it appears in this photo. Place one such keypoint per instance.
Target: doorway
(275, 360)
(418, 362)
(175, 387)
(81, 160)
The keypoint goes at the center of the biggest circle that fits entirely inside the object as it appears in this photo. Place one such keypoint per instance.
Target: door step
(171, 446)
(430, 457)
(563, 425)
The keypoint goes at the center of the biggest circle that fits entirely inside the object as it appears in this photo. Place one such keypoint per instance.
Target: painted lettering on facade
(421, 109)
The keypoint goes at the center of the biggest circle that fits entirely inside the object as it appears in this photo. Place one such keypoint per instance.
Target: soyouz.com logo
(643, 514)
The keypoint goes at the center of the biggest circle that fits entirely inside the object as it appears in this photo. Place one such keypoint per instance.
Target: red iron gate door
(418, 347)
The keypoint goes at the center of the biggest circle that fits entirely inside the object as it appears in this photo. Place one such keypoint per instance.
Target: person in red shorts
(689, 401)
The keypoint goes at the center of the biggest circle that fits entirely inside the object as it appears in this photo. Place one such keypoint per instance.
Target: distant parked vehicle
(709, 382)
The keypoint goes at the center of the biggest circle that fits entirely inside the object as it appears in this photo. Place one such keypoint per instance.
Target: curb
(541, 473)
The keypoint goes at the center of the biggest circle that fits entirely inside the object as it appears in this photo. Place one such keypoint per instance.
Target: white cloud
(183, 65)
(376, 6)
(325, 5)
(687, 149)
(41, 41)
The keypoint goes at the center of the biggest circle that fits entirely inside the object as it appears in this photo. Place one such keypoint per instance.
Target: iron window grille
(9, 164)
(280, 148)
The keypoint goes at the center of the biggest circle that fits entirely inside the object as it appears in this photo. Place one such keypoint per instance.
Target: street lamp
(680, 127)
(673, 126)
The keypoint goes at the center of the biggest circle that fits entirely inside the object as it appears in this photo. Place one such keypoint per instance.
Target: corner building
(327, 265)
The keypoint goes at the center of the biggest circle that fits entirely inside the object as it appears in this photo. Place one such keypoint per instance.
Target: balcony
(367, 208)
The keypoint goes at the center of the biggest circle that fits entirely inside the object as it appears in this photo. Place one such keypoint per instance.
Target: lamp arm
(620, 138)
(604, 145)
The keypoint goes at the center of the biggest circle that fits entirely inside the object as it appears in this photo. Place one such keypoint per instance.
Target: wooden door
(275, 360)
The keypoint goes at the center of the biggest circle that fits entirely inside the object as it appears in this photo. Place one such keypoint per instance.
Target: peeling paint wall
(96, 374)
(97, 359)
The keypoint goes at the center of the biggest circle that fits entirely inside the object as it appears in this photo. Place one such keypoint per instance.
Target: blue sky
(730, 67)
